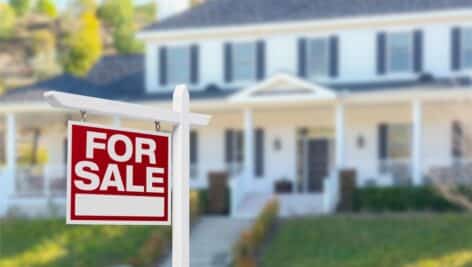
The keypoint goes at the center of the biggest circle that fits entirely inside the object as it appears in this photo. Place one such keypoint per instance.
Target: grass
(49, 242)
(414, 240)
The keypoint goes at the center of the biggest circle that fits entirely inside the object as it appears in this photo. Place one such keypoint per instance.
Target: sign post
(181, 118)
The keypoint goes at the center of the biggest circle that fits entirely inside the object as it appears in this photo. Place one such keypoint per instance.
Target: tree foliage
(124, 40)
(117, 12)
(84, 45)
(21, 7)
(46, 7)
(44, 50)
(7, 21)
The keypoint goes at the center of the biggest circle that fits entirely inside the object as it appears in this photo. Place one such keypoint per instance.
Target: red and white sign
(117, 176)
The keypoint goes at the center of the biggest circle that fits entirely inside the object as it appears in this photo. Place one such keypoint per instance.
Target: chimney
(167, 8)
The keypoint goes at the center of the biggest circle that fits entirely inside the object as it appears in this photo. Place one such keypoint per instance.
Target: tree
(21, 7)
(124, 40)
(7, 21)
(46, 7)
(84, 46)
(116, 12)
(119, 15)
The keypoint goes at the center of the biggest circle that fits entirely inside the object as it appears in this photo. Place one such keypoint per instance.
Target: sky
(62, 3)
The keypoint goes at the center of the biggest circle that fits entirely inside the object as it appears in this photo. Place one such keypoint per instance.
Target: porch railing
(40, 181)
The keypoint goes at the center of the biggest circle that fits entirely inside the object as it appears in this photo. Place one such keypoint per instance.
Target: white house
(298, 90)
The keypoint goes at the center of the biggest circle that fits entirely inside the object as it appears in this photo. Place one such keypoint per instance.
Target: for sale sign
(117, 176)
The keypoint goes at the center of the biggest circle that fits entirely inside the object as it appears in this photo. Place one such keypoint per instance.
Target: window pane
(318, 53)
(400, 52)
(467, 48)
(244, 63)
(398, 141)
(178, 65)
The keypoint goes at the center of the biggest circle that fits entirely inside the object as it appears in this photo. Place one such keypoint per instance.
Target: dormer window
(178, 64)
(244, 61)
(399, 52)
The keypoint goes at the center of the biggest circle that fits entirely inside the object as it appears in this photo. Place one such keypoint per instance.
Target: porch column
(248, 145)
(7, 182)
(339, 122)
(416, 142)
(116, 122)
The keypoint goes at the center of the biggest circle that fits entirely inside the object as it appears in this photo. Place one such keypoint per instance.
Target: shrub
(250, 240)
(46, 7)
(203, 200)
(7, 21)
(399, 199)
(21, 7)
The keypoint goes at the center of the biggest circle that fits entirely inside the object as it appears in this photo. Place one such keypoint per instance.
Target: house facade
(298, 90)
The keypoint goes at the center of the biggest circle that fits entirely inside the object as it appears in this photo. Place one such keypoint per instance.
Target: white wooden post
(248, 148)
(339, 122)
(416, 142)
(180, 181)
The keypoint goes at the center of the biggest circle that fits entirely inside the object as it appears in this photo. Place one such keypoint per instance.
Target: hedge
(399, 199)
(251, 240)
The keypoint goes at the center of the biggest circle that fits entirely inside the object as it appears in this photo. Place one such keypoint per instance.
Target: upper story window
(318, 57)
(178, 64)
(244, 61)
(400, 52)
(466, 45)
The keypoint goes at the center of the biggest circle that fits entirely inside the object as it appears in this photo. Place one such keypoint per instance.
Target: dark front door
(318, 150)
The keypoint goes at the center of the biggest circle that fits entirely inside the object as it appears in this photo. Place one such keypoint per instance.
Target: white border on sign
(69, 220)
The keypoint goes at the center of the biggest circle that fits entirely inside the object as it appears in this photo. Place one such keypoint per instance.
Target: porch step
(252, 204)
(212, 241)
(292, 205)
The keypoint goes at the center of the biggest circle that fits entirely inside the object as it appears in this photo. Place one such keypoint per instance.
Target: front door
(317, 161)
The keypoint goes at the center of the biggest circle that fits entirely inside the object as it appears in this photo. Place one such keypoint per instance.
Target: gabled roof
(283, 87)
(218, 13)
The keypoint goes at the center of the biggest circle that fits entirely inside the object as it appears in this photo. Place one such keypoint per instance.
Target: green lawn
(373, 241)
(38, 243)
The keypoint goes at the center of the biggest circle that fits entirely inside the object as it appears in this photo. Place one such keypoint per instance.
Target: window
(398, 141)
(399, 52)
(244, 61)
(467, 48)
(234, 150)
(178, 64)
(318, 57)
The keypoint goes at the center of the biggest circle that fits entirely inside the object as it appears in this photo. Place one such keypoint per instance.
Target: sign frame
(168, 198)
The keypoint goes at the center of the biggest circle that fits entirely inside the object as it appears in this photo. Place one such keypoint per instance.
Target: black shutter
(194, 63)
(302, 57)
(418, 51)
(381, 56)
(193, 147)
(382, 141)
(229, 141)
(334, 56)
(259, 153)
(260, 51)
(240, 143)
(456, 48)
(163, 65)
(228, 62)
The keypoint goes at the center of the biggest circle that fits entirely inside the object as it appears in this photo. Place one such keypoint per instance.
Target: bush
(203, 200)
(399, 199)
(21, 7)
(250, 241)
(46, 7)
